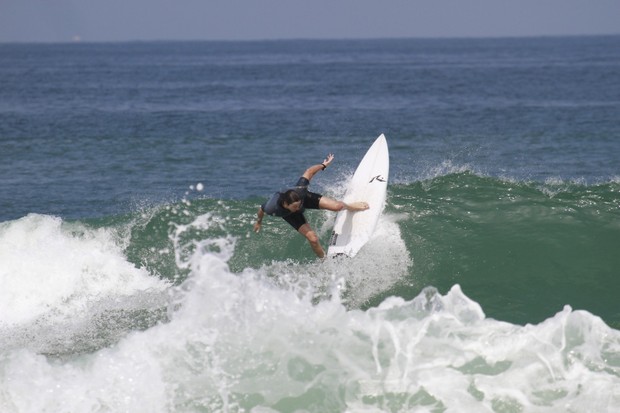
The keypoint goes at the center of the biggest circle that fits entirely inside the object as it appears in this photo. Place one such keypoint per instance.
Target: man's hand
(259, 219)
(328, 160)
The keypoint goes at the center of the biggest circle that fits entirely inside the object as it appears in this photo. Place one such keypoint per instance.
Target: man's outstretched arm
(310, 172)
(259, 219)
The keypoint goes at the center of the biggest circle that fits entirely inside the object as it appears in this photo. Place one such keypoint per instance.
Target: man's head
(291, 200)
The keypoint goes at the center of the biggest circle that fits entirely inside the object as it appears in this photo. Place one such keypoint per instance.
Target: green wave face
(521, 249)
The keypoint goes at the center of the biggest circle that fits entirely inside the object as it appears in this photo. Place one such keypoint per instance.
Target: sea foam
(62, 279)
(246, 342)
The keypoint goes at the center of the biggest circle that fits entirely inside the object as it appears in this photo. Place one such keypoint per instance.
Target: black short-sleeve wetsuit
(309, 200)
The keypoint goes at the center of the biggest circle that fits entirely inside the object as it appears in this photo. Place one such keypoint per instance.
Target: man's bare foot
(358, 206)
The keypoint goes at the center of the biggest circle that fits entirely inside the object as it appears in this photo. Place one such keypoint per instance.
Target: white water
(249, 342)
(59, 280)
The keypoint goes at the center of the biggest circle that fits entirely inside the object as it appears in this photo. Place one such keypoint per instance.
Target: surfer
(290, 205)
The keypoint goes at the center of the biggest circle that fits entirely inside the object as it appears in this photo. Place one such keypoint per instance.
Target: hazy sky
(114, 20)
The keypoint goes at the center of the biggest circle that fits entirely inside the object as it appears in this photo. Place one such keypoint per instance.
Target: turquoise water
(131, 279)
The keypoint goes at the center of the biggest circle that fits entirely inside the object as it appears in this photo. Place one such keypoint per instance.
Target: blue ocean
(131, 279)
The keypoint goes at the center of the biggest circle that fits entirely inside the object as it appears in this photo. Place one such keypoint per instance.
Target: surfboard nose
(369, 185)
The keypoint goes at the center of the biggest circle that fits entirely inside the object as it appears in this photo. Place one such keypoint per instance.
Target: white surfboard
(369, 183)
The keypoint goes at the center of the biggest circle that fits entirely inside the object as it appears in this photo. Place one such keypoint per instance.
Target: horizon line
(317, 39)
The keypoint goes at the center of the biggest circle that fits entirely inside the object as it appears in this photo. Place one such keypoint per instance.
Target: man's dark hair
(289, 197)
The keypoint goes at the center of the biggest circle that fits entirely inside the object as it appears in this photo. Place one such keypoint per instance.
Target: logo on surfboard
(378, 178)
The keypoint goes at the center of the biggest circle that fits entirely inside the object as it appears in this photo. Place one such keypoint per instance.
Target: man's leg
(333, 205)
(313, 239)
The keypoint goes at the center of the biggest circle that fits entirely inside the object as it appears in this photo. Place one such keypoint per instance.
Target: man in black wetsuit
(291, 204)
